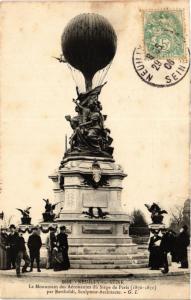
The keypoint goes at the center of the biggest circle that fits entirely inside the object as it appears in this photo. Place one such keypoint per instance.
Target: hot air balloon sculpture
(89, 45)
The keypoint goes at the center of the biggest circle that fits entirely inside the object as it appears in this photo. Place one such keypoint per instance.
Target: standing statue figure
(156, 213)
(25, 219)
(89, 134)
(49, 215)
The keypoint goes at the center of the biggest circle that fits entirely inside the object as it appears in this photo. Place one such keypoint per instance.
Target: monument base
(89, 192)
(100, 244)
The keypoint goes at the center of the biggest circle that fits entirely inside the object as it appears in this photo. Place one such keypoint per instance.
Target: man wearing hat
(62, 244)
(34, 245)
(11, 244)
(21, 253)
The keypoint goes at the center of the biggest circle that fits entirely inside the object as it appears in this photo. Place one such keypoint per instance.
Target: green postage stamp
(164, 33)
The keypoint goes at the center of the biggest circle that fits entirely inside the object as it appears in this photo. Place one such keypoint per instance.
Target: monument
(88, 182)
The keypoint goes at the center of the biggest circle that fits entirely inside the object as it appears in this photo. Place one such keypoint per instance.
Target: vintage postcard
(95, 135)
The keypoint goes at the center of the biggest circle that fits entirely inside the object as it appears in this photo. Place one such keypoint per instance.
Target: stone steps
(108, 261)
(99, 241)
(108, 266)
(103, 249)
(108, 257)
(105, 256)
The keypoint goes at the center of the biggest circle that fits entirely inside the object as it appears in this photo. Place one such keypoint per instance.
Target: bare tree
(7, 221)
(176, 216)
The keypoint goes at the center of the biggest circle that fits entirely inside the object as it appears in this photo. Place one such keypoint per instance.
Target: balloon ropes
(79, 79)
(88, 45)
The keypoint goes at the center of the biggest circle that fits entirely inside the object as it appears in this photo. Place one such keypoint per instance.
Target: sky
(149, 125)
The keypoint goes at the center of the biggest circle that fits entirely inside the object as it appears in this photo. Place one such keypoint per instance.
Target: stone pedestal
(26, 221)
(94, 242)
(26, 227)
(158, 227)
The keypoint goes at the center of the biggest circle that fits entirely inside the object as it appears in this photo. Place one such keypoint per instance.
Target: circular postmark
(159, 72)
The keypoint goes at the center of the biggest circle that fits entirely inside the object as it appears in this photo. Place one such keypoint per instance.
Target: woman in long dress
(57, 259)
(155, 258)
(4, 251)
(60, 252)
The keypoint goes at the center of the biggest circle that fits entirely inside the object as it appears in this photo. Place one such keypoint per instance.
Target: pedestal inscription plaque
(101, 229)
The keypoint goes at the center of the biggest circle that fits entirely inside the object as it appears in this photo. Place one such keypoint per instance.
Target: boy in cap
(34, 245)
(11, 244)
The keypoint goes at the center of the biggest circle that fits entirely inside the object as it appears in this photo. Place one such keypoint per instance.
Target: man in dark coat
(182, 242)
(34, 245)
(11, 244)
(165, 247)
(21, 253)
(155, 260)
(62, 244)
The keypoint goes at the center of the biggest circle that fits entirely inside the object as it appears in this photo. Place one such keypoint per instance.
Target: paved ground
(35, 277)
(110, 284)
(101, 273)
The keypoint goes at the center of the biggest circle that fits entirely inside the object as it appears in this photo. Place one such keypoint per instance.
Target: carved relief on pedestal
(95, 178)
(68, 228)
(126, 229)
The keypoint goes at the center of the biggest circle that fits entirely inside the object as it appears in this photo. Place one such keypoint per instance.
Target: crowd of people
(13, 250)
(160, 246)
